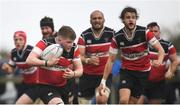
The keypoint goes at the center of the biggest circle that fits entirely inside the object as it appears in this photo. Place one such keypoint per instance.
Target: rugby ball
(53, 50)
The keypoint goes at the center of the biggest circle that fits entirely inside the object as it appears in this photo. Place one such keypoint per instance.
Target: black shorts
(136, 81)
(22, 88)
(88, 84)
(47, 92)
(155, 90)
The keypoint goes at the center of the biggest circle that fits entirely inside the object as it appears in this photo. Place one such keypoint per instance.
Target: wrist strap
(103, 82)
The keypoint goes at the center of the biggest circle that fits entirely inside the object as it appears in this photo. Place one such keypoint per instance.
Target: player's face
(19, 42)
(156, 31)
(65, 42)
(130, 20)
(46, 31)
(97, 20)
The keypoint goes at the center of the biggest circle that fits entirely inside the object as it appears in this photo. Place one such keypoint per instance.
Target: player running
(132, 41)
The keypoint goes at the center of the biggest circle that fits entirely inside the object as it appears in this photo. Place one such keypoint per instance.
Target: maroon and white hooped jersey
(96, 47)
(53, 75)
(134, 50)
(158, 73)
(18, 59)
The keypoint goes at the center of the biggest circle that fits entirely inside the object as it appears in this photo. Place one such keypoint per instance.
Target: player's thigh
(124, 94)
(24, 99)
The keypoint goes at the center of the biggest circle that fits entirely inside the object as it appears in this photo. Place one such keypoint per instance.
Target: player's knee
(57, 101)
(101, 99)
(123, 100)
(24, 99)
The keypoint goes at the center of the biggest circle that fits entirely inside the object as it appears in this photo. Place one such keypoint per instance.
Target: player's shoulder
(140, 28)
(166, 42)
(49, 40)
(29, 47)
(86, 31)
(120, 32)
(108, 29)
(13, 50)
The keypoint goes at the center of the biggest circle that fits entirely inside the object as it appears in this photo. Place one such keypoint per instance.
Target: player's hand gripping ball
(53, 50)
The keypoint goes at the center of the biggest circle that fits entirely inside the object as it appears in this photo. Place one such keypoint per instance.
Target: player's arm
(82, 50)
(108, 67)
(83, 56)
(113, 51)
(7, 68)
(76, 65)
(174, 62)
(155, 43)
(94, 60)
(107, 71)
(78, 68)
(172, 66)
(34, 58)
(77, 72)
(161, 53)
(88, 60)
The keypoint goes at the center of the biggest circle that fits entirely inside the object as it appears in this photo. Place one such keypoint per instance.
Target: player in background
(94, 45)
(132, 41)
(54, 72)
(17, 60)
(156, 85)
(47, 27)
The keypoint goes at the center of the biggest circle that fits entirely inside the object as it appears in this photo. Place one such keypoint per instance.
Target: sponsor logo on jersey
(122, 43)
(123, 82)
(14, 58)
(106, 39)
(89, 41)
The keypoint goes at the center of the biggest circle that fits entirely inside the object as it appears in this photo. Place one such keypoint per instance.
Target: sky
(26, 14)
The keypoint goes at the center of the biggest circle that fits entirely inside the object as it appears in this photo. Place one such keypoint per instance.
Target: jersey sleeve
(76, 54)
(81, 42)
(172, 49)
(151, 38)
(40, 46)
(114, 47)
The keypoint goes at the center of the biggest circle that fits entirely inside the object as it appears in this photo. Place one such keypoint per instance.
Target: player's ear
(58, 39)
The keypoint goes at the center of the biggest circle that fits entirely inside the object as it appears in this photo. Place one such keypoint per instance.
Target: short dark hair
(67, 32)
(152, 24)
(128, 9)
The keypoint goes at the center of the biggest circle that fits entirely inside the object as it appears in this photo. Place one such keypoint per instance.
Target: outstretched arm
(108, 69)
(161, 54)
